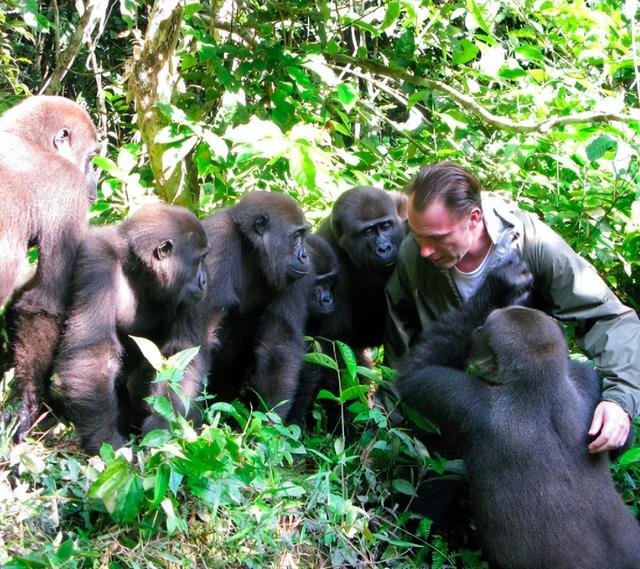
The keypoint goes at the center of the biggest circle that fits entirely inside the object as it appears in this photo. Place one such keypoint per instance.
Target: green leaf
(403, 487)
(65, 551)
(393, 11)
(530, 53)
(156, 438)
(161, 485)
(302, 167)
(347, 95)
(349, 359)
(150, 351)
(630, 456)
(598, 147)
(464, 51)
(182, 359)
(321, 359)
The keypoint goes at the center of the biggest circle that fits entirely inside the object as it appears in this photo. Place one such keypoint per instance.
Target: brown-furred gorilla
(144, 277)
(258, 266)
(46, 185)
(365, 231)
(539, 498)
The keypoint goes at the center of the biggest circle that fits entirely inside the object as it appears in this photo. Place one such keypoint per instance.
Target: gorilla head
(171, 245)
(366, 224)
(325, 268)
(274, 227)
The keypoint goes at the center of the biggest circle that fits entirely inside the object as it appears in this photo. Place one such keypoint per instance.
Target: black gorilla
(145, 277)
(365, 230)
(258, 268)
(538, 497)
(46, 185)
(325, 269)
(320, 309)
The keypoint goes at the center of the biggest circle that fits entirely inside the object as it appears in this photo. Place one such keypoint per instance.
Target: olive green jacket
(565, 286)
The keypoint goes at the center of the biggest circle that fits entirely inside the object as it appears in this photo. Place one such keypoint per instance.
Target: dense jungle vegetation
(199, 102)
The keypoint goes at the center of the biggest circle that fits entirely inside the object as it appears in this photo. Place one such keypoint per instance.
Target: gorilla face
(373, 244)
(275, 227)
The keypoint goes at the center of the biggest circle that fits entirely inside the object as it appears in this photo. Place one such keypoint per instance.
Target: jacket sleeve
(606, 330)
(402, 322)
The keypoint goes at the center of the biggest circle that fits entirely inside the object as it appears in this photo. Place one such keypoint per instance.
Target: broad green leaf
(531, 53)
(403, 486)
(150, 351)
(630, 456)
(464, 51)
(598, 147)
(65, 551)
(347, 95)
(302, 167)
(393, 11)
(156, 438)
(321, 359)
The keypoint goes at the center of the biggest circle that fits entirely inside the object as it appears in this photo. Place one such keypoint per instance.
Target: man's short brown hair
(458, 189)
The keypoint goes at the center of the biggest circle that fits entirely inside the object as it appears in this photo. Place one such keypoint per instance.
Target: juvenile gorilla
(365, 231)
(145, 277)
(46, 184)
(258, 266)
(539, 499)
(320, 310)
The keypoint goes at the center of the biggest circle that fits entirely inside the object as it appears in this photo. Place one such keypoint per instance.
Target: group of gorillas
(246, 285)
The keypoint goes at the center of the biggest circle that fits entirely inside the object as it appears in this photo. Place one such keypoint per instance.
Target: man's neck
(477, 252)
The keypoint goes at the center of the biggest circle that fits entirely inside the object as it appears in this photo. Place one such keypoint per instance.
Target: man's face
(443, 238)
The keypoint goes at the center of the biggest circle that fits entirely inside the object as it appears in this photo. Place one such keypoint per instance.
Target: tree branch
(470, 104)
(94, 13)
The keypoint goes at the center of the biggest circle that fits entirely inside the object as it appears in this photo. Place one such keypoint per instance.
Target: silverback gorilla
(144, 277)
(258, 266)
(365, 230)
(46, 184)
(539, 499)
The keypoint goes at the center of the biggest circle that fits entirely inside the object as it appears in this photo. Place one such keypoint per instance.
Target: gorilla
(46, 185)
(144, 277)
(259, 283)
(365, 231)
(320, 310)
(539, 499)
(321, 302)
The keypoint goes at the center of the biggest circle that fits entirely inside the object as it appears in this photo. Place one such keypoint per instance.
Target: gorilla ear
(482, 358)
(261, 224)
(62, 138)
(164, 249)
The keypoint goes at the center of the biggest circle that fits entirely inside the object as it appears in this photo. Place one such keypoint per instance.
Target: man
(445, 258)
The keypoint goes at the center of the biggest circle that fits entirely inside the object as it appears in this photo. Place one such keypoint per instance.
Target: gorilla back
(540, 500)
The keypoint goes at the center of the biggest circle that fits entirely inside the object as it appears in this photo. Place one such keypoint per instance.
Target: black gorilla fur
(259, 284)
(538, 497)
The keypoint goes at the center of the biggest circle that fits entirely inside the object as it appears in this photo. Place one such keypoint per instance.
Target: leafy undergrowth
(244, 491)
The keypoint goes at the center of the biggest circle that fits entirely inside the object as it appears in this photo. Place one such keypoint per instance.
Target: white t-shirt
(469, 283)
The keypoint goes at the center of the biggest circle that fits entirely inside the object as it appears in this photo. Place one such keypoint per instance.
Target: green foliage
(267, 98)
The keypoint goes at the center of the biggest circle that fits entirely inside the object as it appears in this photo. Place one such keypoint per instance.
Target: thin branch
(94, 13)
(470, 104)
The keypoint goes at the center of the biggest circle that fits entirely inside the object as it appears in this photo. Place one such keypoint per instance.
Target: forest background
(198, 103)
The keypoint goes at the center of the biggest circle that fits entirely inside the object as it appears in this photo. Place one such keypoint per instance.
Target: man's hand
(611, 423)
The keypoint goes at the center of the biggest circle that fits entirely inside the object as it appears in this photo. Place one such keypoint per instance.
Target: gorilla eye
(385, 226)
(261, 224)
(369, 231)
(164, 249)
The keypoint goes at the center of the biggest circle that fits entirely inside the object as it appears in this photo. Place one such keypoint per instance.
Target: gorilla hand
(508, 282)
